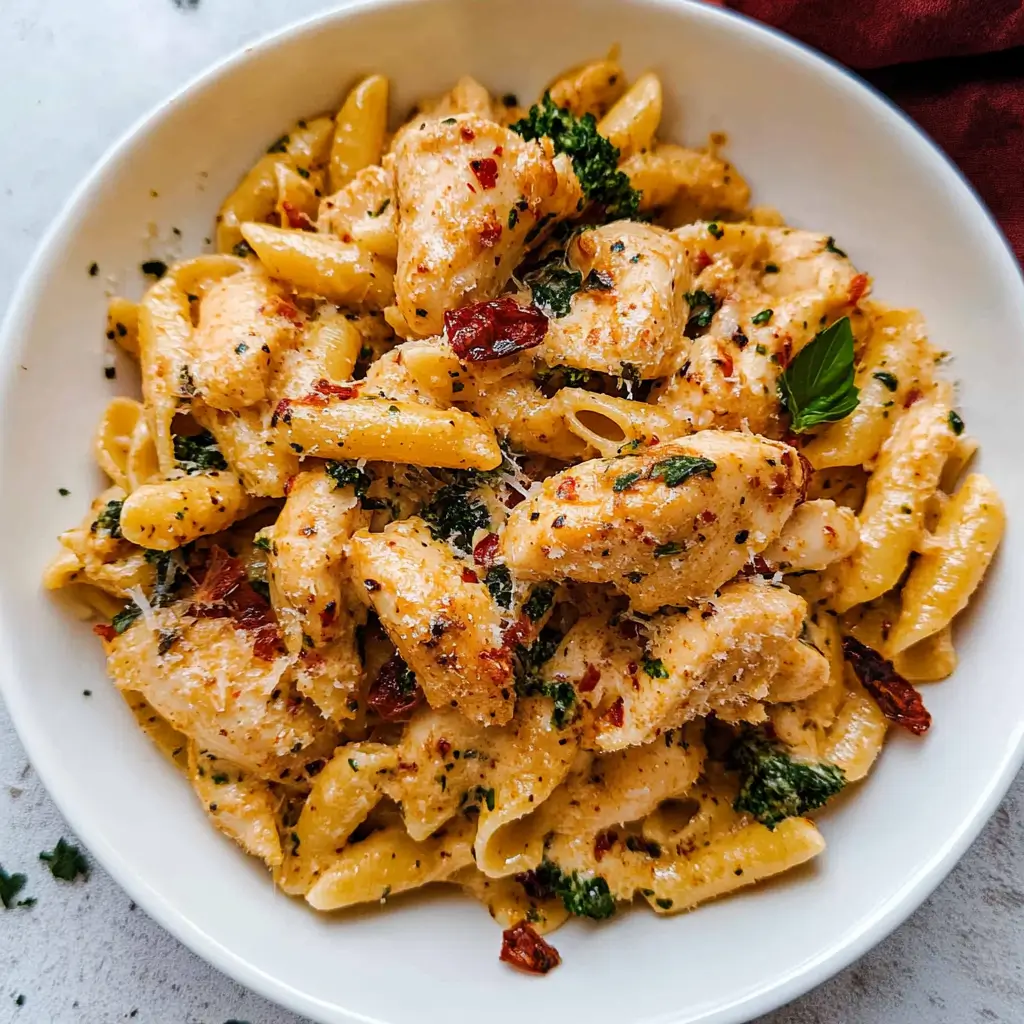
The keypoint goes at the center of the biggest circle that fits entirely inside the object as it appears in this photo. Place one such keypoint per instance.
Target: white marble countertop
(74, 75)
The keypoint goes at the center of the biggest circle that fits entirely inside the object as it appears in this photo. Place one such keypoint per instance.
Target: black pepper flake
(94, 269)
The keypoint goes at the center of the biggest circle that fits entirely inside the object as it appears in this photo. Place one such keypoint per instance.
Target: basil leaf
(817, 387)
(553, 285)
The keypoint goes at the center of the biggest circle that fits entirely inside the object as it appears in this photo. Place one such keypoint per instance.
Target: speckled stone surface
(73, 75)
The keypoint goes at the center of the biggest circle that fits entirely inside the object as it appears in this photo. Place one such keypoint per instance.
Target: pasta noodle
(511, 505)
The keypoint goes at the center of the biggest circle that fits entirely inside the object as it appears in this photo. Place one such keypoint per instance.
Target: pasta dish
(511, 504)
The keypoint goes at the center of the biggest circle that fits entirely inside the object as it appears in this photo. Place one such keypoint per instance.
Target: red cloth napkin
(955, 66)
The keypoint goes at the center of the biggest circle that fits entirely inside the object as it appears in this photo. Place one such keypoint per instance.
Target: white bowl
(816, 143)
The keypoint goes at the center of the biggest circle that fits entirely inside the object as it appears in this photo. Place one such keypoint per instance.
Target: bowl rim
(842, 951)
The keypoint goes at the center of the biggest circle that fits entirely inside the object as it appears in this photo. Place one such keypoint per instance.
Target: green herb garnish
(775, 785)
(198, 453)
(817, 387)
(499, 582)
(678, 468)
(890, 380)
(594, 158)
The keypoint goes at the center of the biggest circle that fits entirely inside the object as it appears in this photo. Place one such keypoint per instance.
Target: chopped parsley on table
(66, 861)
(10, 886)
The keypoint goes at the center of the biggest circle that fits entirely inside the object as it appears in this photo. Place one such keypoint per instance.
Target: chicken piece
(817, 534)
(204, 678)
(632, 309)
(772, 289)
(306, 562)
(665, 526)
(244, 322)
(242, 807)
(446, 626)
(95, 552)
(251, 447)
(364, 211)
(471, 198)
(718, 656)
(625, 785)
(802, 670)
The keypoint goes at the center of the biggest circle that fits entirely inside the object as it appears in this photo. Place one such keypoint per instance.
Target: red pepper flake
(497, 663)
(282, 411)
(522, 947)
(517, 632)
(296, 218)
(616, 714)
(701, 261)
(757, 566)
(913, 395)
(443, 747)
(390, 695)
(494, 329)
(105, 630)
(858, 286)
(486, 171)
(498, 150)
(603, 842)
(330, 610)
(469, 185)
(467, 133)
(706, 517)
(490, 234)
(591, 677)
(777, 488)
(899, 701)
(288, 485)
(567, 489)
(486, 550)
(324, 390)
(468, 576)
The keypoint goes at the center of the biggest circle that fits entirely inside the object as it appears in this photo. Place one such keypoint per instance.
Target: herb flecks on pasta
(511, 505)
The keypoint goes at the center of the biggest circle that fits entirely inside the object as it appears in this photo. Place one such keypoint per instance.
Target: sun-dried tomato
(225, 591)
(393, 694)
(223, 575)
(590, 678)
(522, 947)
(486, 171)
(899, 701)
(468, 576)
(486, 550)
(858, 286)
(494, 329)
